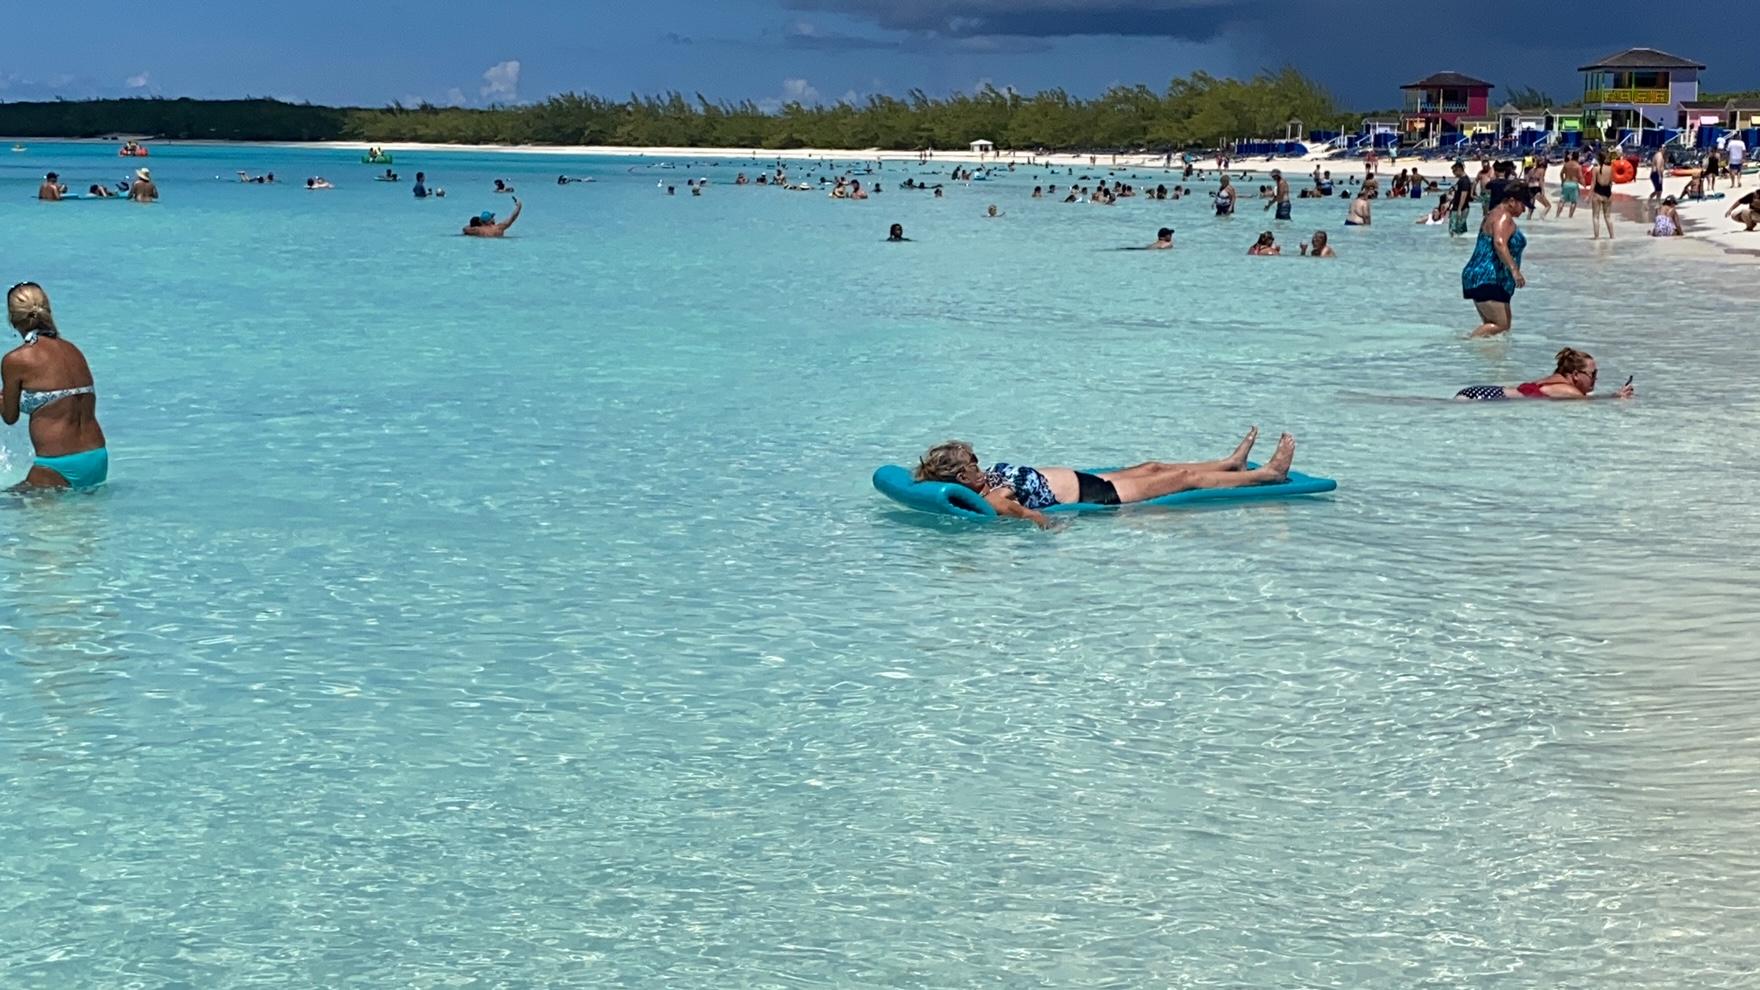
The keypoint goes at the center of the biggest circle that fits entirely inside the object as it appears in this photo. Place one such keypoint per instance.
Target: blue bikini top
(29, 401)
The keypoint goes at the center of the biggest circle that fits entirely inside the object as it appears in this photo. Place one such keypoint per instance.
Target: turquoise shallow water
(505, 614)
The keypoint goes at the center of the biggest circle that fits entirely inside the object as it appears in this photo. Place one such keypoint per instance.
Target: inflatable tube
(1623, 171)
(946, 499)
(381, 160)
(1683, 172)
(137, 153)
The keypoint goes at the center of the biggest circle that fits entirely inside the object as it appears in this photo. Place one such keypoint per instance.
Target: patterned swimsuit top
(29, 401)
(1031, 489)
(1486, 268)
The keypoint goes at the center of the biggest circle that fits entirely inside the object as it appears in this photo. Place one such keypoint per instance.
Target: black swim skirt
(1486, 293)
(1095, 490)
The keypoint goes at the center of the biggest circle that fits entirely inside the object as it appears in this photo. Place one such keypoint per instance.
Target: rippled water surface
(508, 614)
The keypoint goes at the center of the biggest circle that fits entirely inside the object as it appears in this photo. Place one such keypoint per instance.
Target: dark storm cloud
(1362, 50)
(807, 37)
(1194, 19)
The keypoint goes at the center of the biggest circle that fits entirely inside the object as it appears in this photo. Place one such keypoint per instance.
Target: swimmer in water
(896, 234)
(1022, 492)
(992, 213)
(485, 224)
(421, 186)
(319, 182)
(47, 379)
(1163, 240)
(1265, 246)
(100, 192)
(51, 190)
(1319, 248)
(1573, 378)
(501, 186)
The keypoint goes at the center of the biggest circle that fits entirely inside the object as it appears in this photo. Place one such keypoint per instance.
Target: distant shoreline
(1703, 218)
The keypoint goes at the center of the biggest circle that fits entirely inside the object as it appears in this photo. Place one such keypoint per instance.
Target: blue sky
(372, 53)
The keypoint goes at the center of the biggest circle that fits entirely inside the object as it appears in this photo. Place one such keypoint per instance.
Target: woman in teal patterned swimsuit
(1494, 272)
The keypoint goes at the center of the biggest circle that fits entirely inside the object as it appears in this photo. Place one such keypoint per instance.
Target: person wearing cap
(51, 190)
(1279, 195)
(142, 190)
(485, 225)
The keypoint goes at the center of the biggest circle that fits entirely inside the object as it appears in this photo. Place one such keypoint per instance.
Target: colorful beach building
(1639, 89)
(1436, 104)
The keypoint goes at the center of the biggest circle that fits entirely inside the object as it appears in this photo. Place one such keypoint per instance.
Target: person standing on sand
(1280, 196)
(1601, 206)
(1537, 202)
(1737, 150)
(1494, 272)
(1570, 184)
(1460, 201)
(1658, 165)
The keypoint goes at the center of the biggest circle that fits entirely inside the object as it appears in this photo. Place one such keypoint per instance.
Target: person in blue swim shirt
(47, 379)
(1022, 492)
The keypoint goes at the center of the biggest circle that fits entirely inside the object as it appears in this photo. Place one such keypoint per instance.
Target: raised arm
(517, 206)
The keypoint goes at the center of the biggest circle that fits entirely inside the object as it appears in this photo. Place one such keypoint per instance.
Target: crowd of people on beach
(46, 376)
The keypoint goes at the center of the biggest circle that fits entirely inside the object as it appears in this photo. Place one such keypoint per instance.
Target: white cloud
(501, 82)
(798, 91)
(455, 97)
(140, 81)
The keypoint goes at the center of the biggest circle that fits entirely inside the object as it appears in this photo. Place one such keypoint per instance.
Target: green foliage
(1196, 110)
(1527, 98)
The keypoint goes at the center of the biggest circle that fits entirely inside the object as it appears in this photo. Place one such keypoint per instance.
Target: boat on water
(133, 149)
(18, 148)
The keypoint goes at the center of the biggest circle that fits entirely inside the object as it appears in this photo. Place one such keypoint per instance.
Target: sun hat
(143, 174)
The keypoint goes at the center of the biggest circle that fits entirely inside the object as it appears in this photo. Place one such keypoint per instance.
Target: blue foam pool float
(947, 499)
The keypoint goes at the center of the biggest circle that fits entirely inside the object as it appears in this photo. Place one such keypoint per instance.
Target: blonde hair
(27, 309)
(1572, 361)
(945, 462)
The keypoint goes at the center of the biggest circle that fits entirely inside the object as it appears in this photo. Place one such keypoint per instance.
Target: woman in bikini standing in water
(1601, 206)
(47, 379)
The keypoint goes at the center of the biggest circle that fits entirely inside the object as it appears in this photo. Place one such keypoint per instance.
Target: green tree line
(1194, 110)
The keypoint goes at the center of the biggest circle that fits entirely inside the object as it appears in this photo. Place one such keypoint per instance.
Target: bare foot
(1278, 465)
(1238, 460)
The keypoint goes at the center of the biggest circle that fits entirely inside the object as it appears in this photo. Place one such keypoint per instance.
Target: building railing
(1637, 97)
(1437, 108)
